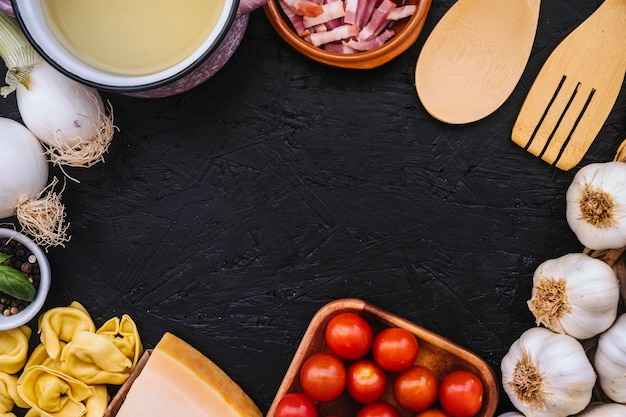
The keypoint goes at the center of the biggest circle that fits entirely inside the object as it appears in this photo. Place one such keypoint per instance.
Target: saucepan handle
(245, 6)
(6, 8)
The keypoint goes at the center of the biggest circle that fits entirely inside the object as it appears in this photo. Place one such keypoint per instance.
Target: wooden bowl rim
(398, 44)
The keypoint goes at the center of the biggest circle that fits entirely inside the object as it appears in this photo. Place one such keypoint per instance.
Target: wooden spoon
(474, 58)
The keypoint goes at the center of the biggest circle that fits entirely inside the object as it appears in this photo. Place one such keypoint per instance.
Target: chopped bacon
(337, 34)
(345, 26)
(401, 12)
(371, 43)
(339, 47)
(295, 19)
(332, 11)
(377, 21)
(364, 12)
(351, 8)
(305, 7)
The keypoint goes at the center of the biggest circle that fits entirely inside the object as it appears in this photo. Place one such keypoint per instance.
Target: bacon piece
(339, 47)
(337, 34)
(351, 9)
(295, 19)
(331, 11)
(377, 21)
(364, 12)
(402, 11)
(305, 7)
(371, 43)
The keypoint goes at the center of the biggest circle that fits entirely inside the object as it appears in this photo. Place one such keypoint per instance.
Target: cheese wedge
(177, 380)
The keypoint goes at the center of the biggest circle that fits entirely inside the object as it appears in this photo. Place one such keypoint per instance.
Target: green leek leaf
(15, 284)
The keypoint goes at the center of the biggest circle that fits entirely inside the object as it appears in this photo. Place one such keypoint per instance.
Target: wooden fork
(576, 89)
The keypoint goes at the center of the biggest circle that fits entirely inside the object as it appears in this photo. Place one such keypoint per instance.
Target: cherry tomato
(395, 349)
(416, 388)
(366, 381)
(296, 404)
(323, 377)
(433, 412)
(461, 393)
(349, 336)
(378, 409)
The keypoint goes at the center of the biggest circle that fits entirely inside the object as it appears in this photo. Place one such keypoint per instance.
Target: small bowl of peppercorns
(24, 279)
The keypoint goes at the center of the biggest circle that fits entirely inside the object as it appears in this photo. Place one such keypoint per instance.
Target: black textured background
(231, 213)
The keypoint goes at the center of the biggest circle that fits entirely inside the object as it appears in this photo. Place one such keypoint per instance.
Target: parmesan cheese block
(177, 380)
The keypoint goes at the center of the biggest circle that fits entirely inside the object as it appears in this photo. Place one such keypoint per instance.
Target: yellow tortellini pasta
(53, 393)
(60, 324)
(67, 374)
(124, 334)
(8, 393)
(14, 349)
(94, 359)
(39, 356)
(97, 404)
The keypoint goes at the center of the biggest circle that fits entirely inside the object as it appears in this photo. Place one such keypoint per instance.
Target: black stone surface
(231, 213)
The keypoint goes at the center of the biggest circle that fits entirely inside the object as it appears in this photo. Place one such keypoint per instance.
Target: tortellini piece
(14, 349)
(53, 393)
(60, 324)
(94, 359)
(8, 394)
(39, 356)
(97, 404)
(124, 334)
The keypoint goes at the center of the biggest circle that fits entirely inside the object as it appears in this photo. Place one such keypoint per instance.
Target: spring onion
(23, 189)
(67, 116)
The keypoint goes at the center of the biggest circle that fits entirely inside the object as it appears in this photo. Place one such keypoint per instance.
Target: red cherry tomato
(395, 349)
(378, 409)
(349, 336)
(433, 412)
(296, 404)
(461, 393)
(366, 381)
(416, 388)
(323, 377)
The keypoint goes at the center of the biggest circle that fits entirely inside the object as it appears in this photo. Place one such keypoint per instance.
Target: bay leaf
(15, 284)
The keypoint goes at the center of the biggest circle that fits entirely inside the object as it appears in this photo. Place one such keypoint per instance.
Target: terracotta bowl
(406, 33)
(435, 352)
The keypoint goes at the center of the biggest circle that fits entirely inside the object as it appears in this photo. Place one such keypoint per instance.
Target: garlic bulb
(511, 414)
(575, 294)
(604, 410)
(596, 205)
(547, 374)
(610, 361)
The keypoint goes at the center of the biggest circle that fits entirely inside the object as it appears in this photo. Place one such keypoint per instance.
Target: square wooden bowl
(435, 352)
(406, 33)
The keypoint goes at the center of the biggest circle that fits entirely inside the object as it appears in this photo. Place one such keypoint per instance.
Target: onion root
(44, 218)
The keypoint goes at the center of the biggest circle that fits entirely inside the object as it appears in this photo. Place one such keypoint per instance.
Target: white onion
(23, 189)
(68, 117)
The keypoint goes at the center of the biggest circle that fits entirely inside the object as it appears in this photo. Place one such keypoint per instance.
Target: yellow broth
(132, 37)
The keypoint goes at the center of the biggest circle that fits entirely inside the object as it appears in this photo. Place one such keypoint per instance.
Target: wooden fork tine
(576, 89)
(571, 137)
(525, 132)
(558, 133)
